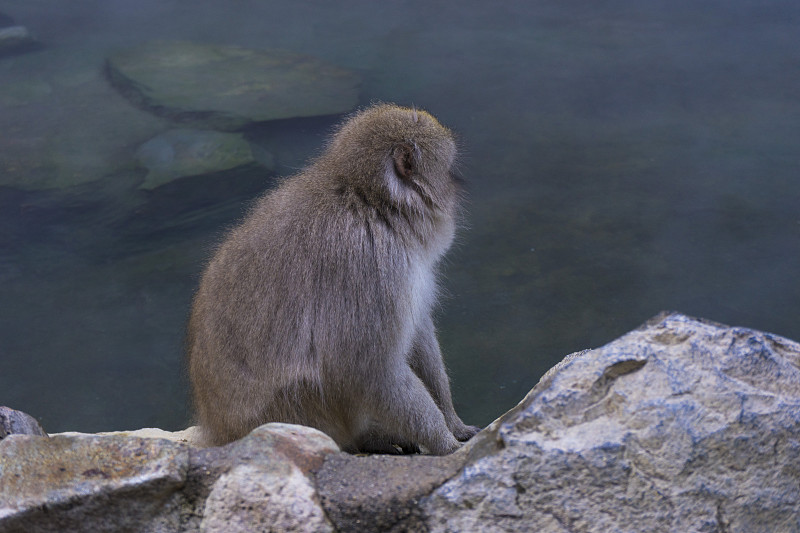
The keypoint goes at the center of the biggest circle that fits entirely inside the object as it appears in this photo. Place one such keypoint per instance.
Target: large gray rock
(228, 87)
(681, 425)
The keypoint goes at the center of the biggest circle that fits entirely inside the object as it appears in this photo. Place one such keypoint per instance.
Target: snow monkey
(316, 310)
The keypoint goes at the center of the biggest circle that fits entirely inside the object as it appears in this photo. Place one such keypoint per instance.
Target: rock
(16, 40)
(681, 425)
(14, 422)
(227, 87)
(280, 455)
(90, 483)
(122, 482)
(63, 125)
(273, 497)
(305, 447)
(381, 492)
(179, 153)
(191, 435)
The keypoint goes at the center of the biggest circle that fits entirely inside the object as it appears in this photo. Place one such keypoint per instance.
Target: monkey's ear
(404, 163)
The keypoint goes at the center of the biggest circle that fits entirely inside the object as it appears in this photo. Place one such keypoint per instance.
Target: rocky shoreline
(680, 425)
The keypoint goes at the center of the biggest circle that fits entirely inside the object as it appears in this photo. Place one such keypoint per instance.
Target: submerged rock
(680, 425)
(181, 152)
(228, 87)
(63, 126)
(16, 40)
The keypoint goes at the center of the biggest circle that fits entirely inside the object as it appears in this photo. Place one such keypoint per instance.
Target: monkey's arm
(427, 363)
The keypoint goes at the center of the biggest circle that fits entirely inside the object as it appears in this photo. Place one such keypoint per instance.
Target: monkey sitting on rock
(316, 310)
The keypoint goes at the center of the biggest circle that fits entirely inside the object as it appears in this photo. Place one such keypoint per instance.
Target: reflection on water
(623, 157)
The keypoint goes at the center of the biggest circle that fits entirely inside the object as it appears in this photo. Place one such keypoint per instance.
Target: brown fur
(316, 310)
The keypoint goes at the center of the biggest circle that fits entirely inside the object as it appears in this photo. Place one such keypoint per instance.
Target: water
(623, 157)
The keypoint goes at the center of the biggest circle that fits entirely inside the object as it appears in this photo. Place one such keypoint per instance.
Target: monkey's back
(312, 280)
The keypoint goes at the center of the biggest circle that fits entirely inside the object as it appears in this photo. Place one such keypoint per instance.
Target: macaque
(316, 310)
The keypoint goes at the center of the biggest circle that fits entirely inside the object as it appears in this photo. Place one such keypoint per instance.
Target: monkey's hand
(463, 432)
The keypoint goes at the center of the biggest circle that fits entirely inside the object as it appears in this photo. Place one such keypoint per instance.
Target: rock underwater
(228, 87)
(67, 119)
(680, 425)
(180, 153)
(16, 40)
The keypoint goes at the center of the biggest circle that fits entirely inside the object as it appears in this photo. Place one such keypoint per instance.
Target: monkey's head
(398, 156)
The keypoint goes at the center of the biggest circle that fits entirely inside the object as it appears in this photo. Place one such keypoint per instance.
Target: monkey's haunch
(316, 310)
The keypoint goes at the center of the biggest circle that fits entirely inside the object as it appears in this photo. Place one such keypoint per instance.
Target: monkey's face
(399, 156)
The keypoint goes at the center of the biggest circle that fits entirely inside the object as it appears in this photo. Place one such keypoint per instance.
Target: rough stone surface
(305, 447)
(265, 476)
(227, 87)
(14, 422)
(681, 425)
(381, 492)
(152, 480)
(276, 496)
(179, 153)
(90, 484)
(192, 435)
